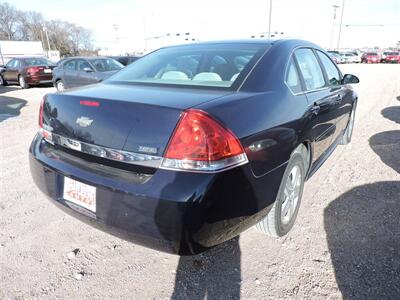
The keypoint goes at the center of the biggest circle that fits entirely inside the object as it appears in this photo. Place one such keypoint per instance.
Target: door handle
(339, 98)
(315, 109)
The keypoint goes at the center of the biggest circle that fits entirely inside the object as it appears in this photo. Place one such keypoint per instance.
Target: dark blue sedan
(191, 145)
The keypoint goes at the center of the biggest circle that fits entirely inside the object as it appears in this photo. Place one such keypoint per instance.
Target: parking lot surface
(345, 243)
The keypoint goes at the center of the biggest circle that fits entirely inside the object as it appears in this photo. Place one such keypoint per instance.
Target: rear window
(106, 64)
(37, 61)
(371, 54)
(215, 65)
(392, 53)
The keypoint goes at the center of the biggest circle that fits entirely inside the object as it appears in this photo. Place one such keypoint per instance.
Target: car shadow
(6, 89)
(392, 113)
(363, 233)
(10, 107)
(214, 274)
(363, 228)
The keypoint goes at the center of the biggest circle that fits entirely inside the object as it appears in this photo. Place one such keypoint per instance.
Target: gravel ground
(345, 244)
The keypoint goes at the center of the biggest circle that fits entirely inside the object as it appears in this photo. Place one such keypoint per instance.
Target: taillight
(33, 70)
(201, 144)
(41, 113)
(44, 129)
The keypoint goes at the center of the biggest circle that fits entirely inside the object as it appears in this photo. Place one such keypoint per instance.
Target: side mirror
(87, 69)
(348, 78)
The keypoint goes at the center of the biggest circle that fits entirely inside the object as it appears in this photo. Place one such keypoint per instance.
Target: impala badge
(84, 121)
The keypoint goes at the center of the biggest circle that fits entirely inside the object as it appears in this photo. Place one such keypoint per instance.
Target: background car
(337, 58)
(79, 71)
(27, 71)
(125, 60)
(351, 57)
(193, 144)
(370, 57)
(391, 57)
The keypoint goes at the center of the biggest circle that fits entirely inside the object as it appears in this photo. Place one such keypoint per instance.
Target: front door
(321, 101)
(11, 71)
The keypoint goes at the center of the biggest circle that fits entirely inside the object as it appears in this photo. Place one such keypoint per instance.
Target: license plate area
(47, 71)
(79, 193)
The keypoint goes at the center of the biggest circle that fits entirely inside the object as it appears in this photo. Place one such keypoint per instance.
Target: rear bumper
(177, 212)
(39, 79)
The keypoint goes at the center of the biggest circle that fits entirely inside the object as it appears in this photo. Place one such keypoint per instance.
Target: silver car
(79, 71)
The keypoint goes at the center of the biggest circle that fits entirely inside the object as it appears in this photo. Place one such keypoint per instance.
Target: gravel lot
(345, 244)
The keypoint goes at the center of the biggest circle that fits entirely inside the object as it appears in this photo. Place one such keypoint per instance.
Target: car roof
(293, 43)
(86, 57)
(29, 57)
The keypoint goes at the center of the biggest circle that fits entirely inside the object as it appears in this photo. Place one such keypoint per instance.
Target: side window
(70, 65)
(292, 78)
(330, 68)
(10, 64)
(83, 64)
(310, 69)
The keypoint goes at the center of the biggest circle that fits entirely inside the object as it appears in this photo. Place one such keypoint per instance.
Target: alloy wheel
(291, 194)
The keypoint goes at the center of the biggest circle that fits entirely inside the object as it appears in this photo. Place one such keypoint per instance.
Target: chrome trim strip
(108, 153)
(204, 166)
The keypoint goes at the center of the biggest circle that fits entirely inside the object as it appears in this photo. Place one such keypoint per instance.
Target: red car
(27, 71)
(392, 57)
(370, 57)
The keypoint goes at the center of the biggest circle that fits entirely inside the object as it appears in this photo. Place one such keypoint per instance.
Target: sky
(123, 25)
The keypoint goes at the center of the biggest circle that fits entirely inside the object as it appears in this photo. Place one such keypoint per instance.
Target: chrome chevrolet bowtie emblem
(84, 121)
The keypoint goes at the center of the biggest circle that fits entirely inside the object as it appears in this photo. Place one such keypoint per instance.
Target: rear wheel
(22, 82)
(60, 85)
(283, 214)
(346, 138)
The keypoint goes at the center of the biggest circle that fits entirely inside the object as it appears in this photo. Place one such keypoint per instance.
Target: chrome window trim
(134, 158)
(327, 86)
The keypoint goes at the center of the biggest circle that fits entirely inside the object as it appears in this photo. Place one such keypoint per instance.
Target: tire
(277, 223)
(348, 133)
(60, 85)
(22, 82)
(2, 81)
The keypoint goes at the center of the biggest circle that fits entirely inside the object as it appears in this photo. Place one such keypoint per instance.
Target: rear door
(321, 102)
(71, 74)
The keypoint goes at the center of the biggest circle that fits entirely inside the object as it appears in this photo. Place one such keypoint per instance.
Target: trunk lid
(129, 118)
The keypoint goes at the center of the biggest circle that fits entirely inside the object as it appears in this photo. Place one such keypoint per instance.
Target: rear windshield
(392, 53)
(37, 61)
(214, 65)
(106, 64)
(372, 54)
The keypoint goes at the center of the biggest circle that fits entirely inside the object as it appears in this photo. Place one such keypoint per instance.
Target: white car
(351, 57)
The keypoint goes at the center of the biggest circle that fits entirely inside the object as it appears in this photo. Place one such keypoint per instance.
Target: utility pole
(269, 19)
(335, 7)
(116, 28)
(47, 38)
(340, 26)
(2, 58)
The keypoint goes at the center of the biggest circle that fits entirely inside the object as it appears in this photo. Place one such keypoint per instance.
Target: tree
(9, 22)
(31, 26)
(68, 38)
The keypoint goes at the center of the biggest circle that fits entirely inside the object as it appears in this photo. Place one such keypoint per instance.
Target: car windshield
(212, 65)
(37, 61)
(392, 53)
(106, 64)
(371, 54)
